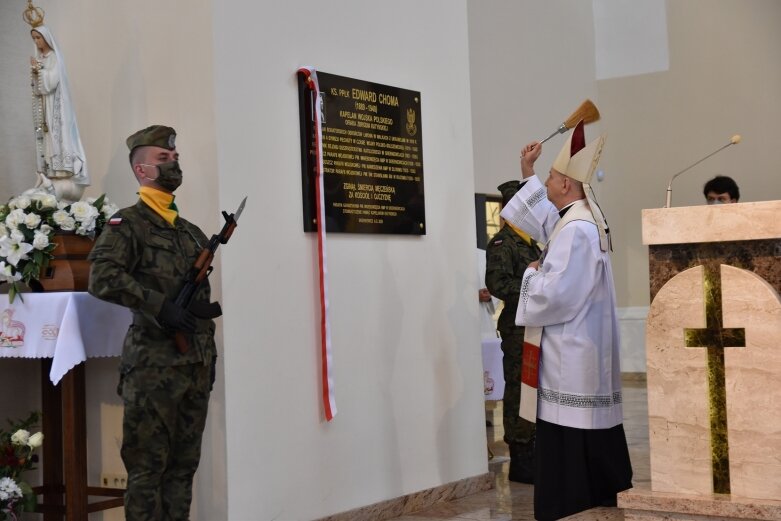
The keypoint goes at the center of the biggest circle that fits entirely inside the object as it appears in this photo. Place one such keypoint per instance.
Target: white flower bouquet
(27, 228)
(16, 457)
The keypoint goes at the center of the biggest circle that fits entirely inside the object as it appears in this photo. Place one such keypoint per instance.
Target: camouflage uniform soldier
(507, 255)
(140, 261)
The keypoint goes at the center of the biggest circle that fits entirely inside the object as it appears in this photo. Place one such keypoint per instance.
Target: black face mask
(170, 176)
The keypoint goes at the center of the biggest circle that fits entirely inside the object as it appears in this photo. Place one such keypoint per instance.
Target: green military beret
(509, 189)
(155, 136)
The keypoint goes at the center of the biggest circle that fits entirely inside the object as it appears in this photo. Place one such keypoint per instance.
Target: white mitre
(579, 161)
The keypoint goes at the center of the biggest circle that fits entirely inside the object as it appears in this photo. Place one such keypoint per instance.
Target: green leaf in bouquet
(29, 269)
(28, 234)
(29, 499)
(99, 202)
(12, 292)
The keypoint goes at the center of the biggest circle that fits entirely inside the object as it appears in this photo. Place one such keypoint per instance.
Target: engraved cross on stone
(715, 338)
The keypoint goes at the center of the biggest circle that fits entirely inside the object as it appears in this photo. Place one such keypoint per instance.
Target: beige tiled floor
(510, 500)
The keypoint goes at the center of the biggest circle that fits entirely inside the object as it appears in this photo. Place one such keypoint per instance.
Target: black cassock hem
(578, 469)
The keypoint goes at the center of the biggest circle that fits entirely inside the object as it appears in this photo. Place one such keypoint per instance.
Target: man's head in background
(721, 190)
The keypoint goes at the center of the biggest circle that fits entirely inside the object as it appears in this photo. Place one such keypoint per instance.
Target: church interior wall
(493, 76)
(722, 80)
(719, 77)
(403, 314)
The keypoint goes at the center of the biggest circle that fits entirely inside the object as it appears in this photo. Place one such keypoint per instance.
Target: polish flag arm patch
(114, 221)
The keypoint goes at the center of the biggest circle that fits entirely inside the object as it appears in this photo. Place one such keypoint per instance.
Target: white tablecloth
(67, 327)
(493, 372)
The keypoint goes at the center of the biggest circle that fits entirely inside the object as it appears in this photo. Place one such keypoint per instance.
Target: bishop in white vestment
(582, 455)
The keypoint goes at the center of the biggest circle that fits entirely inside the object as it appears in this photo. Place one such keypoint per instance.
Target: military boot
(522, 462)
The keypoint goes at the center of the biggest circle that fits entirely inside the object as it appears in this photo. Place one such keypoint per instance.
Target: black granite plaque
(372, 157)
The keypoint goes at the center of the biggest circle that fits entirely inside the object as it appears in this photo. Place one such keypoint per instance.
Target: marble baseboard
(642, 504)
(417, 500)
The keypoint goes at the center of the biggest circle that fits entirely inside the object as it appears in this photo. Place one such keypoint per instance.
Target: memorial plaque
(372, 157)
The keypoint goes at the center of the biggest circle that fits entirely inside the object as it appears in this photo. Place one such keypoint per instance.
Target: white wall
(17, 144)
(404, 314)
(531, 65)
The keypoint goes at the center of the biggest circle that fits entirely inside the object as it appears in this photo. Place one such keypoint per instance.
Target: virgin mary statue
(61, 163)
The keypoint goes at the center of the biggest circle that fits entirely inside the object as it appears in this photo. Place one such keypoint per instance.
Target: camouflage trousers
(516, 429)
(165, 414)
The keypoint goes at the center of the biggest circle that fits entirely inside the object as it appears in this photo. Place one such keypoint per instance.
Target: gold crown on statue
(33, 15)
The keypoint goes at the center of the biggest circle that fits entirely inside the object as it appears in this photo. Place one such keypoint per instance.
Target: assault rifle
(199, 272)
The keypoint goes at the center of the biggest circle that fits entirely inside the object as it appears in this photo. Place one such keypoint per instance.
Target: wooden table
(65, 451)
(63, 330)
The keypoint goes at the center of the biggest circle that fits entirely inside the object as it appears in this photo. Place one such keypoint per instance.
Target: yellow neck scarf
(162, 203)
(522, 234)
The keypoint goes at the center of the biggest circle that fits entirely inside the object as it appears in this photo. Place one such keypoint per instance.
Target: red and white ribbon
(329, 402)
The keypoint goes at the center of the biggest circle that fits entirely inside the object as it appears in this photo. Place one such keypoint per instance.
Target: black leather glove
(204, 309)
(177, 317)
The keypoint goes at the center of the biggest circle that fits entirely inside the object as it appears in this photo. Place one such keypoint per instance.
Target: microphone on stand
(734, 140)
